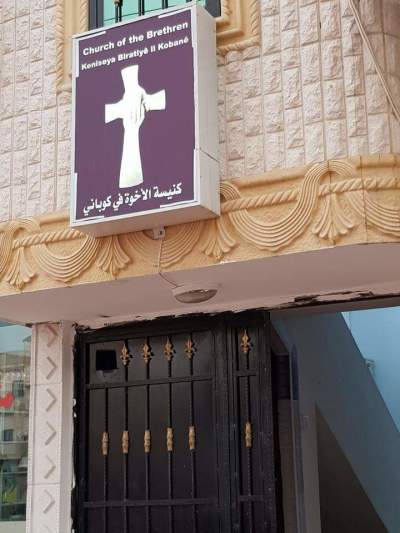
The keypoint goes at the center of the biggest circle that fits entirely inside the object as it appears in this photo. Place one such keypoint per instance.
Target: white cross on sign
(132, 110)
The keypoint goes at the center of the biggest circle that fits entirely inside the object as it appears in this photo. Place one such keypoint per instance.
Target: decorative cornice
(332, 203)
(238, 27)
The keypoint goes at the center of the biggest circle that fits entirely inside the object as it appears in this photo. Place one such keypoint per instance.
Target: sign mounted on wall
(145, 131)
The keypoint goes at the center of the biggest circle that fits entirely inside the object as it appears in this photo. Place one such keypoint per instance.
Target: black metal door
(175, 429)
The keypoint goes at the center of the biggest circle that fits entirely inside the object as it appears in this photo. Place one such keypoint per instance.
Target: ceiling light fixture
(195, 293)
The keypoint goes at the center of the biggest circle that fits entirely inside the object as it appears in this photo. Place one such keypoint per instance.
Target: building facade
(309, 140)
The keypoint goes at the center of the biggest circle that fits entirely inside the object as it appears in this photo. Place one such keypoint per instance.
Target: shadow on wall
(345, 507)
(377, 332)
(343, 411)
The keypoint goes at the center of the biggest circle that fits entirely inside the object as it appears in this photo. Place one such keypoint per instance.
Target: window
(14, 421)
(102, 12)
(8, 435)
(18, 389)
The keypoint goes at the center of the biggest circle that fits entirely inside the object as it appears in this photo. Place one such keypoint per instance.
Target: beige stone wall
(34, 124)
(309, 92)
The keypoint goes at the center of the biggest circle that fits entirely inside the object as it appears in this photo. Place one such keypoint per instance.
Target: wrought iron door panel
(115, 459)
(95, 461)
(169, 435)
(136, 428)
(253, 484)
(93, 520)
(181, 467)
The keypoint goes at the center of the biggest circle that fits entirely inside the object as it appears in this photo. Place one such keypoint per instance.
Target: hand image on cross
(132, 110)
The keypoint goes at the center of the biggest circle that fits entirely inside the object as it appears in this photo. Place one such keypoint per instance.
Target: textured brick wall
(34, 127)
(308, 93)
(311, 91)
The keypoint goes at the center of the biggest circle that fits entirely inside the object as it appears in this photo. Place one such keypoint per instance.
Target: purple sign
(134, 118)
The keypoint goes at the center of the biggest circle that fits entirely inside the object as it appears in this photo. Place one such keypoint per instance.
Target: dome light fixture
(194, 293)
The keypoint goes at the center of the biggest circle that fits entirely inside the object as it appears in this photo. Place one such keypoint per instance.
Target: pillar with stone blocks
(50, 430)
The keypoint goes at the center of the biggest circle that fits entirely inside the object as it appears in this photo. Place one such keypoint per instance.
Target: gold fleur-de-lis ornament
(125, 355)
(169, 350)
(147, 355)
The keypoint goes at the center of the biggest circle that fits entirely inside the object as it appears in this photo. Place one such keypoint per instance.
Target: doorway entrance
(175, 427)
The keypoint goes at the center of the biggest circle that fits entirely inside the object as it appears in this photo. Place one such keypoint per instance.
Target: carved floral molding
(71, 18)
(238, 27)
(353, 201)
